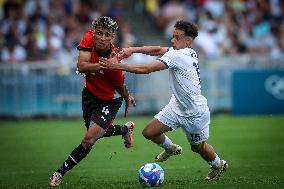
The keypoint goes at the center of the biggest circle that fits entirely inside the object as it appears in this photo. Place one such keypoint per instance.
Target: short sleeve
(87, 42)
(169, 58)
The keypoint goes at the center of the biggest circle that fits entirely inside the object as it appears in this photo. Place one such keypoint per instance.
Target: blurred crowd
(35, 30)
(226, 27)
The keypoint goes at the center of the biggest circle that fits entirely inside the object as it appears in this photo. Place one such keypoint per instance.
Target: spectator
(240, 27)
(34, 52)
(229, 27)
(128, 39)
(13, 53)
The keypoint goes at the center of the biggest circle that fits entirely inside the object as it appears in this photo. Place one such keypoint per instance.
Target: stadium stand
(38, 40)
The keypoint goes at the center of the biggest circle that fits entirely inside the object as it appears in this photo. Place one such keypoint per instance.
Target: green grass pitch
(31, 150)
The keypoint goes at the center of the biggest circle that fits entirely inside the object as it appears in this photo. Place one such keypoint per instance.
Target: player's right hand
(124, 53)
(108, 63)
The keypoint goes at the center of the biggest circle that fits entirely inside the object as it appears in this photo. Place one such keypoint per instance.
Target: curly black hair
(105, 22)
(190, 29)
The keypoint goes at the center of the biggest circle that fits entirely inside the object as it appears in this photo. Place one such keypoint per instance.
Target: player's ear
(189, 41)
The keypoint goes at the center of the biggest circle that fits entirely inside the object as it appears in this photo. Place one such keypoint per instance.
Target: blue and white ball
(151, 174)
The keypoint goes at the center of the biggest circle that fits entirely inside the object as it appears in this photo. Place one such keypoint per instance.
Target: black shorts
(101, 112)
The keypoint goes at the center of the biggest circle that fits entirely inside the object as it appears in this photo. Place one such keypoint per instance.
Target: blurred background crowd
(240, 47)
(226, 27)
(34, 30)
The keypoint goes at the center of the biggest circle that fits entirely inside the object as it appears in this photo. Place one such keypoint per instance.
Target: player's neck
(104, 53)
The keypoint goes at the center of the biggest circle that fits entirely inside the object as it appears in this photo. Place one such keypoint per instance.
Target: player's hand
(128, 102)
(132, 100)
(124, 53)
(109, 63)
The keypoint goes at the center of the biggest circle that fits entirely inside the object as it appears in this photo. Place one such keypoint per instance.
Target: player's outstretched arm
(147, 68)
(84, 65)
(148, 50)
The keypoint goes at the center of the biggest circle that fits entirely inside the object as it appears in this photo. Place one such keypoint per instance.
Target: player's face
(179, 39)
(103, 38)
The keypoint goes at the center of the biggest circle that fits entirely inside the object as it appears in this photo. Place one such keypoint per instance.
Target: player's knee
(88, 143)
(194, 148)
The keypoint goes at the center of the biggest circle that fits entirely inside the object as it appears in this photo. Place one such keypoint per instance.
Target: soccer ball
(151, 174)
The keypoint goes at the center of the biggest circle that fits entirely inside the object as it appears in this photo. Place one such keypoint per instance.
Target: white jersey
(184, 81)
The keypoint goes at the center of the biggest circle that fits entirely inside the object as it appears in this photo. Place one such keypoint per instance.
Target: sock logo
(66, 164)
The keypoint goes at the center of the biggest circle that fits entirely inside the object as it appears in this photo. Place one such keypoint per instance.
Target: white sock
(216, 162)
(167, 143)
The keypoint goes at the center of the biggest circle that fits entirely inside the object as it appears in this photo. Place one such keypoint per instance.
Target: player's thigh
(196, 127)
(88, 105)
(155, 127)
(98, 111)
(102, 116)
(195, 138)
(94, 133)
(168, 117)
(104, 113)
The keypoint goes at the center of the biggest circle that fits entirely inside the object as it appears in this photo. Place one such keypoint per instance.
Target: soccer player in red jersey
(99, 102)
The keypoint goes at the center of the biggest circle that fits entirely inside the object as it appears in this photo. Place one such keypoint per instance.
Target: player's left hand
(132, 100)
(128, 102)
(109, 63)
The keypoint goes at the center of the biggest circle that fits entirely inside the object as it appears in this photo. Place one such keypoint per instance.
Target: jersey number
(195, 64)
(195, 137)
(197, 70)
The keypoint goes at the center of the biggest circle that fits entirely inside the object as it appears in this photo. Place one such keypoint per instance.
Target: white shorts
(196, 127)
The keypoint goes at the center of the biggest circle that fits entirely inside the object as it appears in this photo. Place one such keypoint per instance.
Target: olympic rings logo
(274, 84)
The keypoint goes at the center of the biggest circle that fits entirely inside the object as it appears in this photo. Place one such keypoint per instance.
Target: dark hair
(105, 22)
(190, 29)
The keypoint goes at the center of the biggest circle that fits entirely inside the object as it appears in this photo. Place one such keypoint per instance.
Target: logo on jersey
(103, 118)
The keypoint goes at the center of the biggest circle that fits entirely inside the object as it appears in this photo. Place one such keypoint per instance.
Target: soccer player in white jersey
(187, 108)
